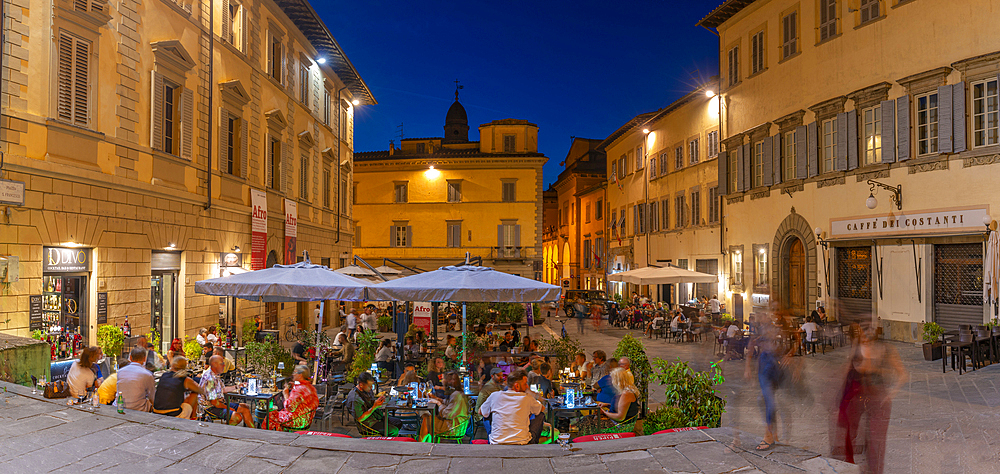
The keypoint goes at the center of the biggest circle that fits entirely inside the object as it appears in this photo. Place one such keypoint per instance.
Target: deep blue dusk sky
(574, 68)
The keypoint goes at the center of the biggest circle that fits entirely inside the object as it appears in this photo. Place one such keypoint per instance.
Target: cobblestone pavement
(38, 435)
(941, 422)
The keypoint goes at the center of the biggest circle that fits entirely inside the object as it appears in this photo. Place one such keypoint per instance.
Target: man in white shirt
(810, 328)
(511, 410)
(316, 318)
(135, 383)
(352, 323)
(368, 321)
(714, 305)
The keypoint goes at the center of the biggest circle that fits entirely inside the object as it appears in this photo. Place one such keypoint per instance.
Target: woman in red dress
(301, 402)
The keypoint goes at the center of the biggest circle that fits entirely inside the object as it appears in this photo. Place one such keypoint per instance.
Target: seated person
(579, 366)
(411, 350)
(508, 342)
(496, 383)
(435, 375)
(176, 349)
(679, 319)
(213, 396)
(409, 375)
(365, 408)
(486, 366)
(109, 389)
(451, 350)
(655, 324)
(383, 357)
(230, 365)
(135, 383)
(453, 409)
(626, 407)
(207, 351)
(170, 399)
(544, 381)
(301, 402)
(605, 388)
(157, 360)
(346, 350)
(82, 376)
(299, 353)
(511, 411)
(811, 328)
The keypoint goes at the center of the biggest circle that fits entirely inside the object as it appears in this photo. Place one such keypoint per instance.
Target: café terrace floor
(39, 435)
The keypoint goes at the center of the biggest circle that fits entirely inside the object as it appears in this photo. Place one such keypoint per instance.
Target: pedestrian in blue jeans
(769, 375)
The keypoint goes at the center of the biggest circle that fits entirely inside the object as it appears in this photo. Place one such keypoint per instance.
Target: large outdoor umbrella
(298, 282)
(355, 271)
(464, 284)
(663, 276)
(991, 270)
(387, 270)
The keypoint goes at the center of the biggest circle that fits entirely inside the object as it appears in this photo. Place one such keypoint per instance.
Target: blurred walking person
(769, 355)
(874, 376)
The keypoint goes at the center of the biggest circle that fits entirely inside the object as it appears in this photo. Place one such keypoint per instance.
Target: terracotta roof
(383, 155)
(723, 12)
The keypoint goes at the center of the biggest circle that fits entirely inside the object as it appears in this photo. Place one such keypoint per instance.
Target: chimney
(392, 148)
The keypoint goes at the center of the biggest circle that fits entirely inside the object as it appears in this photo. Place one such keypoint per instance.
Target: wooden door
(797, 278)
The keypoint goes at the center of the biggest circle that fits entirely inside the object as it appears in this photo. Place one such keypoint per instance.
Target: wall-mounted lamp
(171, 246)
(236, 248)
(897, 194)
(645, 131)
(988, 222)
(826, 257)
(709, 93)
(321, 60)
(432, 173)
(356, 102)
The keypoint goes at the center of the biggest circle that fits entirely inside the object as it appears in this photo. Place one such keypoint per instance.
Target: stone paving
(941, 422)
(39, 435)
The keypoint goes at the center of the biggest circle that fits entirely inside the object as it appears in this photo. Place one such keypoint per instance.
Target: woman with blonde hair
(626, 407)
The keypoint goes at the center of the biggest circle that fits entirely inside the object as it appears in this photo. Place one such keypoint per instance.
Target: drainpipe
(340, 129)
(211, 93)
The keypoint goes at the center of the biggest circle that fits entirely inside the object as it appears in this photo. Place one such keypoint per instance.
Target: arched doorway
(793, 258)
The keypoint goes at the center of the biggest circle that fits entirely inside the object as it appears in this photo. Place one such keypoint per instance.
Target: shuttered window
(622, 167)
(872, 123)
(654, 216)
(693, 151)
(679, 211)
(326, 106)
(713, 204)
(509, 143)
(678, 158)
(652, 167)
(454, 234)
(829, 146)
(639, 158)
(304, 84)
(509, 192)
(665, 211)
(275, 58)
(827, 19)
(734, 66)
(231, 144)
(274, 164)
(401, 236)
(169, 118)
(304, 178)
(400, 194)
(343, 197)
(927, 123)
(758, 164)
(695, 208)
(984, 113)
(789, 35)
(712, 144)
(586, 253)
(757, 52)
(614, 221)
(869, 10)
(454, 191)
(733, 171)
(788, 156)
(73, 101)
(641, 217)
(664, 162)
(327, 185)
(232, 23)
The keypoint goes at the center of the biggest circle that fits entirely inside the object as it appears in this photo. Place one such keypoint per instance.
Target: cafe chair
(959, 348)
(984, 345)
(411, 423)
(456, 434)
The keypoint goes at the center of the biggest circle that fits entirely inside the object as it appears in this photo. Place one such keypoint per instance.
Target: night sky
(574, 68)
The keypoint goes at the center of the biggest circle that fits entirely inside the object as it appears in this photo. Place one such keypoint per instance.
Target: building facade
(859, 156)
(148, 140)
(433, 200)
(662, 194)
(580, 229)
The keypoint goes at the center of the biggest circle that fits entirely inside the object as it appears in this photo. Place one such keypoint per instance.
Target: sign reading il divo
(56, 259)
(938, 221)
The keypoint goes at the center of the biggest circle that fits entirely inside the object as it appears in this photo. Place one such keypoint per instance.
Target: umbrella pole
(463, 334)
(322, 305)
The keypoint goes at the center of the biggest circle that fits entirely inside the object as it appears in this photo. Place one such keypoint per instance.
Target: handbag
(58, 389)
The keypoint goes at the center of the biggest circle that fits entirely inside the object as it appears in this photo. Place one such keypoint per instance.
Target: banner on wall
(422, 316)
(291, 230)
(258, 229)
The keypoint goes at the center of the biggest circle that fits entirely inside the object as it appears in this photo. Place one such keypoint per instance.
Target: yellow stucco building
(432, 200)
(662, 194)
(148, 139)
(579, 246)
(860, 157)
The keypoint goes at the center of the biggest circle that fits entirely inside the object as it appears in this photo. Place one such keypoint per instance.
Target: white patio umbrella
(464, 284)
(355, 271)
(663, 276)
(298, 282)
(991, 270)
(387, 270)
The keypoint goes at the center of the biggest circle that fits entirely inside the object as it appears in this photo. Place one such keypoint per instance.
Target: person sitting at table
(678, 319)
(212, 336)
(213, 396)
(508, 342)
(230, 365)
(544, 381)
(82, 374)
(154, 361)
(605, 389)
(383, 356)
(626, 408)
(735, 345)
(409, 375)
(300, 404)
(579, 366)
(655, 324)
(208, 350)
(525, 344)
(489, 330)
(510, 412)
(202, 337)
(435, 375)
(346, 351)
(481, 330)
(598, 367)
(486, 365)
(108, 390)
(515, 335)
(365, 408)
(299, 353)
(176, 349)
(496, 383)
(170, 399)
(453, 409)
(135, 382)
(410, 348)
(534, 346)
(811, 328)
(451, 350)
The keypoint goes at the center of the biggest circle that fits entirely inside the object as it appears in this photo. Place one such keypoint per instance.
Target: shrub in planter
(110, 339)
(364, 354)
(192, 349)
(932, 341)
(691, 392)
(384, 323)
(663, 418)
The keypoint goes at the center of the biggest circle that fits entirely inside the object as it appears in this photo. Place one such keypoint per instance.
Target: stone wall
(22, 357)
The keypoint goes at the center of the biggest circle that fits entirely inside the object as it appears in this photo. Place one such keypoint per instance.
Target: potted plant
(110, 339)
(690, 394)
(384, 323)
(932, 341)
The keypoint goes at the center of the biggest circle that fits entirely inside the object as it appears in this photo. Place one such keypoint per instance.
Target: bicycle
(293, 333)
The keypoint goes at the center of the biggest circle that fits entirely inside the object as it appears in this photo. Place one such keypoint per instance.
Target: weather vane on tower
(457, 88)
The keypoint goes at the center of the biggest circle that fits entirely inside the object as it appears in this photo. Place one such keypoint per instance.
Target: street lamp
(897, 194)
(826, 257)
(356, 102)
(710, 93)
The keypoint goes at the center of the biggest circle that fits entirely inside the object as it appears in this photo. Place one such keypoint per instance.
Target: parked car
(590, 297)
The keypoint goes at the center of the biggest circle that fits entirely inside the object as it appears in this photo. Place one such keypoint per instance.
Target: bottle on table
(120, 403)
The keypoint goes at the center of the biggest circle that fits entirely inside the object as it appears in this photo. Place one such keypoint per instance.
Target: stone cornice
(790, 121)
(870, 95)
(828, 108)
(925, 81)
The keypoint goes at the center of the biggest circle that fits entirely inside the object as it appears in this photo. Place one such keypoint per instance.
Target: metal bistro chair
(410, 419)
(984, 344)
(959, 348)
(456, 434)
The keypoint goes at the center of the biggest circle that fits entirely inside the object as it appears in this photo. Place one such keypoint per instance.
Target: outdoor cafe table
(252, 400)
(557, 406)
(429, 408)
